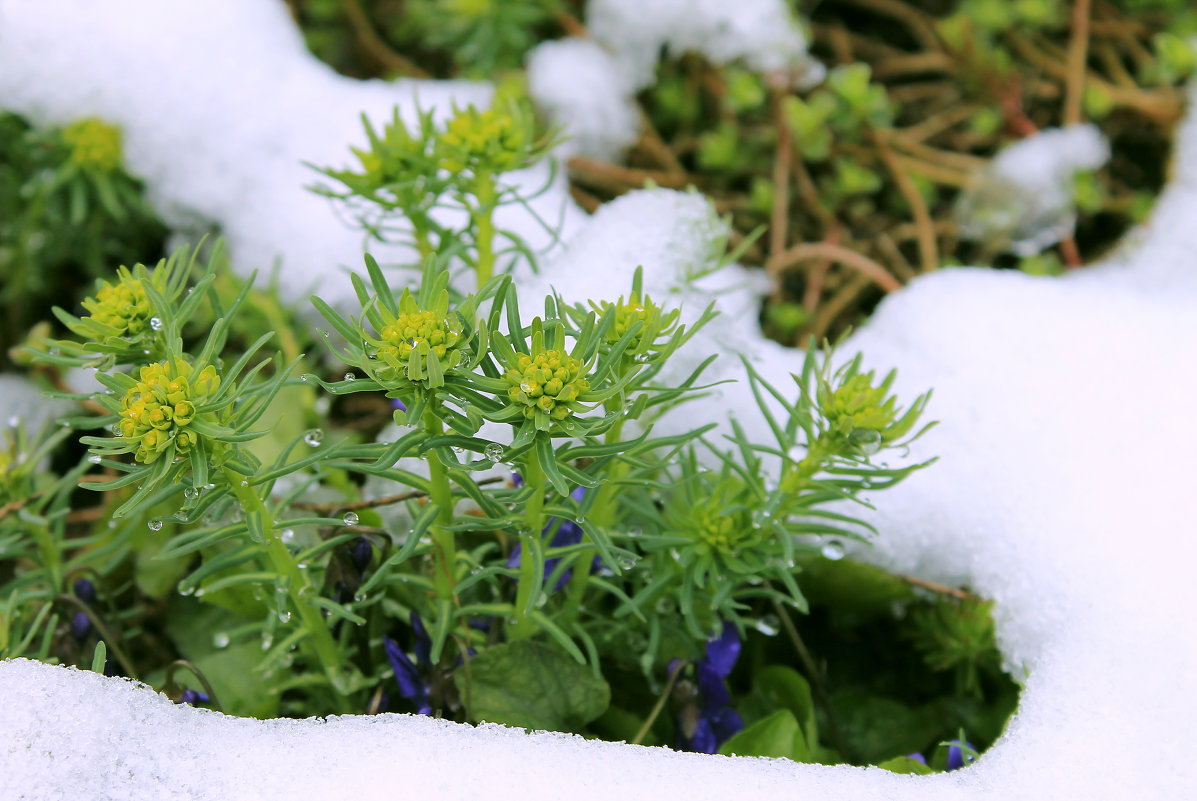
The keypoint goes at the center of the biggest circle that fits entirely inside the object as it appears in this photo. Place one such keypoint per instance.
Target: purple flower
(412, 685)
(194, 697)
(361, 553)
(398, 405)
(80, 625)
(568, 533)
(717, 721)
(957, 756)
(85, 591)
(917, 757)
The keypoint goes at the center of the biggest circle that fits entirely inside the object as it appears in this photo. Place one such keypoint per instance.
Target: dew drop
(314, 437)
(284, 615)
(833, 549)
(155, 525)
(186, 589)
(220, 640)
(244, 482)
(191, 492)
(866, 441)
(768, 625)
(303, 377)
(494, 452)
(94, 458)
(359, 597)
(156, 323)
(350, 518)
(287, 536)
(267, 641)
(350, 377)
(625, 561)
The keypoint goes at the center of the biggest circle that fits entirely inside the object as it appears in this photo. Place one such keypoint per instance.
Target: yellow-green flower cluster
(717, 530)
(157, 413)
(416, 335)
(549, 381)
(857, 405)
(123, 306)
(492, 140)
(94, 144)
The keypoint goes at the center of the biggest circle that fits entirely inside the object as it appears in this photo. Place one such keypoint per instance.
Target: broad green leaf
(531, 685)
(905, 764)
(775, 736)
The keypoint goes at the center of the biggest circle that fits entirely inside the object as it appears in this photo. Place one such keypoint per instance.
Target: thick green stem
(484, 225)
(319, 639)
(602, 514)
(444, 559)
(533, 523)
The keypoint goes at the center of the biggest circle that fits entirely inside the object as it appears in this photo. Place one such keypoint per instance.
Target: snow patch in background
(762, 33)
(1062, 489)
(588, 93)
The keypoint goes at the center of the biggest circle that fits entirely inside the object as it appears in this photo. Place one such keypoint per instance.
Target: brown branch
(375, 46)
(619, 179)
(808, 251)
(1078, 51)
(832, 308)
(914, 64)
(779, 221)
(942, 589)
(937, 123)
(928, 248)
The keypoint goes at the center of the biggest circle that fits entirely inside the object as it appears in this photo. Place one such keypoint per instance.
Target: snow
(588, 93)
(1062, 490)
(1025, 196)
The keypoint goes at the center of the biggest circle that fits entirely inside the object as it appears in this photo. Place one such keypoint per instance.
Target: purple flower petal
(411, 685)
(85, 591)
(80, 625)
(724, 650)
(423, 643)
(956, 756)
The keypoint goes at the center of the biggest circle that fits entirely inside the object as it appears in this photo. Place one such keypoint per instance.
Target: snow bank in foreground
(1061, 493)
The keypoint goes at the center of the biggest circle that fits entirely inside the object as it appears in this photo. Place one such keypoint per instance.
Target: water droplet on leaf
(833, 549)
(350, 518)
(494, 452)
(314, 437)
(155, 525)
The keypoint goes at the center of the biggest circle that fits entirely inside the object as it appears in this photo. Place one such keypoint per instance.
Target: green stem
(602, 514)
(444, 560)
(319, 638)
(486, 194)
(533, 523)
(50, 555)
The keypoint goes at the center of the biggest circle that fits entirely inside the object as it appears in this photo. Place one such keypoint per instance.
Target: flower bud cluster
(94, 144)
(549, 381)
(157, 413)
(123, 306)
(717, 530)
(493, 140)
(857, 405)
(415, 336)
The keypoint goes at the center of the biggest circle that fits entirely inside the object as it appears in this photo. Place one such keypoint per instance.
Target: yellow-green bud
(491, 140)
(156, 413)
(94, 144)
(548, 381)
(123, 306)
(857, 404)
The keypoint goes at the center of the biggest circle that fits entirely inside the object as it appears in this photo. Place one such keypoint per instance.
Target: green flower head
(94, 144)
(419, 344)
(858, 405)
(546, 385)
(494, 140)
(156, 414)
(123, 307)
(656, 323)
